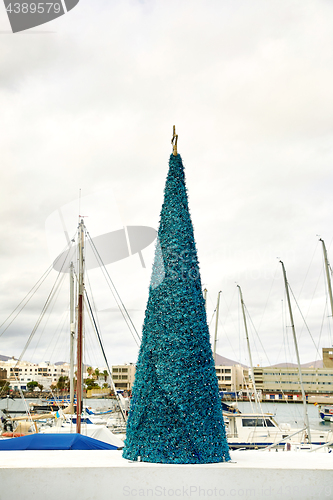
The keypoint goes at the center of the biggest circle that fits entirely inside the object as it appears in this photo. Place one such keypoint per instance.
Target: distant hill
(283, 365)
(4, 358)
(221, 360)
(314, 364)
(311, 364)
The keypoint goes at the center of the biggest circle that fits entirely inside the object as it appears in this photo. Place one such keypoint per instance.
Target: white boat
(326, 412)
(251, 431)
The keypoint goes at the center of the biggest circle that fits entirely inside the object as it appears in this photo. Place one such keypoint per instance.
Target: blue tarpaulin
(64, 441)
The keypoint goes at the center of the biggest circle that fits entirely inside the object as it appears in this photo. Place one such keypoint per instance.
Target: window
(115, 370)
(227, 378)
(257, 422)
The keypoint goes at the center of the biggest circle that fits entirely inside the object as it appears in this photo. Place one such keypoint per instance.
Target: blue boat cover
(66, 441)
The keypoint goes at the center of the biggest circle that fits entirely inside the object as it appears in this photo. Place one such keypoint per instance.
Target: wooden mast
(72, 337)
(80, 329)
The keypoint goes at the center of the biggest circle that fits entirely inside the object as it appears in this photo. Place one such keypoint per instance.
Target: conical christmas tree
(175, 413)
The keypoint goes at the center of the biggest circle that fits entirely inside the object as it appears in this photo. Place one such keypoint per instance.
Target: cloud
(91, 107)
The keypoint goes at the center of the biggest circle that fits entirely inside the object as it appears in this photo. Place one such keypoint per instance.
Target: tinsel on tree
(175, 411)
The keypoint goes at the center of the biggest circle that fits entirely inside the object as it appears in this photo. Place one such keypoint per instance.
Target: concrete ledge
(105, 475)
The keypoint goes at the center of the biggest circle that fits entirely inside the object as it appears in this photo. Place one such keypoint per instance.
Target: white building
(123, 376)
(232, 378)
(19, 373)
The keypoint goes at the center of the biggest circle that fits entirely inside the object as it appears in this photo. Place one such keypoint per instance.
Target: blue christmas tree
(175, 413)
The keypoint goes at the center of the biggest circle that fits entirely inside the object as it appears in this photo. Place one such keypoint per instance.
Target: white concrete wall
(104, 475)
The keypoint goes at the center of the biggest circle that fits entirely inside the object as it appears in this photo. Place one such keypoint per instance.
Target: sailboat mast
(80, 329)
(306, 417)
(248, 348)
(216, 325)
(328, 277)
(72, 337)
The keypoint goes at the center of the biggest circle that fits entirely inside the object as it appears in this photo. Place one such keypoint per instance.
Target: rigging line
(247, 387)
(283, 343)
(43, 278)
(58, 338)
(53, 302)
(22, 397)
(49, 298)
(307, 272)
(269, 294)
(47, 302)
(39, 283)
(322, 324)
(315, 289)
(263, 348)
(231, 318)
(115, 290)
(107, 274)
(212, 317)
(93, 300)
(304, 320)
(104, 355)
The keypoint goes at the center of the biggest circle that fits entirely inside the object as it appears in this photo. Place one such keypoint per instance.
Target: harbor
(177, 437)
(290, 413)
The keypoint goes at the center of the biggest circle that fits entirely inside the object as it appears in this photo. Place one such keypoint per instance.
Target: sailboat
(260, 430)
(64, 420)
(326, 411)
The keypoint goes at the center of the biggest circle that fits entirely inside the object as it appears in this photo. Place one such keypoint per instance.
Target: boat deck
(105, 475)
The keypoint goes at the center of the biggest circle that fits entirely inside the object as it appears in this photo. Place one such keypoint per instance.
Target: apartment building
(19, 373)
(123, 376)
(286, 380)
(232, 378)
(328, 357)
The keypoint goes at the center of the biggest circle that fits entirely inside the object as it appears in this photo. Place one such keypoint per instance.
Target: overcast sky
(88, 102)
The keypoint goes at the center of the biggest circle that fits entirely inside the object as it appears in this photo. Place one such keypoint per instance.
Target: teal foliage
(175, 412)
